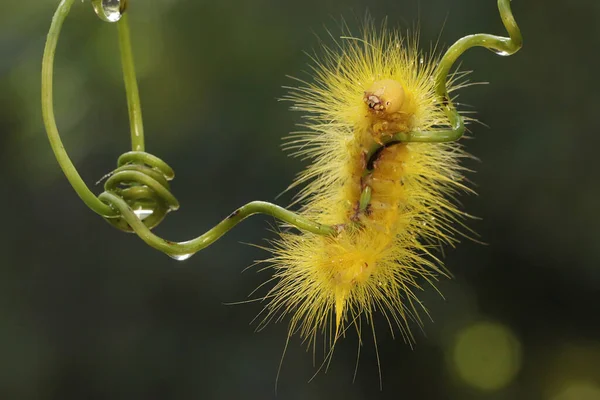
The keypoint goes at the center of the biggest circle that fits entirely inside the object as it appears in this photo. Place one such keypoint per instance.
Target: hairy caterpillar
(393, 206)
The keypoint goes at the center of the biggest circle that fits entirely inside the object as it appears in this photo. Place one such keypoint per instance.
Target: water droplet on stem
(180, 257)
(109, 10)
(500, 52)
(143, 213)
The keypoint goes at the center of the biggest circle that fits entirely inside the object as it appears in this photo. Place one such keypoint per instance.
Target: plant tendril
(137, 194)
(503, 46)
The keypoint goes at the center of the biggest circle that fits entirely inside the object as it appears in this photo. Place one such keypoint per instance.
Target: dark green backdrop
(87, 312)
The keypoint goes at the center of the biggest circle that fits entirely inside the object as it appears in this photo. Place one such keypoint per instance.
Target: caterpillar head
(385, 97)
(388, 108)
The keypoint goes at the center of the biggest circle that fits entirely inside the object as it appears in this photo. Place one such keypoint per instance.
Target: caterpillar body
(393, 206)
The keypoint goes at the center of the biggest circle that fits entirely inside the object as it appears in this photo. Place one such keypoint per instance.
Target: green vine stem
(184, 250)
(140, 183)
(58, 148)
(503, 46)
(131, 87)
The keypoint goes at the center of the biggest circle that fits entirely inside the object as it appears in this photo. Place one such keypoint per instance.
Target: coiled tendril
(142, 180)
(137, 195)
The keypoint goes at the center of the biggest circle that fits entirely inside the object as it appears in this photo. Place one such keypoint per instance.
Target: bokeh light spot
(486, 355)
(578, 390)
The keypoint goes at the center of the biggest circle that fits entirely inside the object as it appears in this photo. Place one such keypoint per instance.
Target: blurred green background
(87, 312)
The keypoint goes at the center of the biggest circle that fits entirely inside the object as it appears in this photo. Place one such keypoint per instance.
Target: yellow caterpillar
(391, 200)
(375, 260)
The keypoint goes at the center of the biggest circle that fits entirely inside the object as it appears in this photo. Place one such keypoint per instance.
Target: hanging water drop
(500, 52)
(109, 10)
(180, 257)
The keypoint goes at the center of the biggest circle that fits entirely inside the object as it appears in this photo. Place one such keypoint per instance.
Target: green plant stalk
(501, 45)
(504, 46)
(131, 87)
(187, 248)
(109, 204)
(58, 148)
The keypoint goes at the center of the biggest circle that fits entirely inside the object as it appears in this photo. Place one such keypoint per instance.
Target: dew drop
(500, 52)
(180, 257)
(143, 213)
(109, 10)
